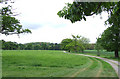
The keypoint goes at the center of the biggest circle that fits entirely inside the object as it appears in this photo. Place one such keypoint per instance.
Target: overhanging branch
(96, 9)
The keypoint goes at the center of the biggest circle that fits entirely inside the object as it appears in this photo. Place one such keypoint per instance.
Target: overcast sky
(40, 16)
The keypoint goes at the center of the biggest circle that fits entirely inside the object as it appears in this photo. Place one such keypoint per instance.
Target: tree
(9, 45)
(21, 46)
(10, 25)
(80, 10)
(29, 46)
(37, 47)
(98, 47)
(66, 44)
(91, 46)
(110, 39)
(77, 43)
(84, 43)
(57, 46)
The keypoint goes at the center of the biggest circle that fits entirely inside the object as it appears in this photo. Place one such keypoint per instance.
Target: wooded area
(30, 46)
(8, 45)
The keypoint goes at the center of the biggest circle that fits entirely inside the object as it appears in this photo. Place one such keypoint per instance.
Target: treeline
(8, 45)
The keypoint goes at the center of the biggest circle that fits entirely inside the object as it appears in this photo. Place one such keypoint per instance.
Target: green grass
(48, 63)
(104, 54)
(0, 63)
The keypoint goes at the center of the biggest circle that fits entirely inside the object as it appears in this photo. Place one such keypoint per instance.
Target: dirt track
(114, 64)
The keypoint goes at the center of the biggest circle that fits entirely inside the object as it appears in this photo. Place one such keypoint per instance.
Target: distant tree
(91, 46)
(66, 44)
(77, 43)
(37, 47)
(57, 46)
(84, 43)
(98, 47)
(1, 44)
(21, 46)
(80, 43)
(9, 45)
(44, 46)
(29, 46)
(51, 46)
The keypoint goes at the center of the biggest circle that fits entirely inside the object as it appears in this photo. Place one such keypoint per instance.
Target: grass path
(92, 69)
(114, 64)
(96, 68)
(81, 70)
(100, 69)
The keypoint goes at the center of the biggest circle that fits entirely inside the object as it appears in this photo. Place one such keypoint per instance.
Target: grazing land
(49, 63)
(103, 53)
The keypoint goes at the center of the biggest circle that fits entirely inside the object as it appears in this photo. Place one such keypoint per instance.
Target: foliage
(79, 10)
(84, 42)
(10, 25)
(37, 47)
(110, 39)
(98, 47)
(9, 45)
(77, 43)
(66, 44)
(30, 46)
(21, 46)
(91, 46)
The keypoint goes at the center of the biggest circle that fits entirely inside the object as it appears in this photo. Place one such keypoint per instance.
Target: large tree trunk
(116, 54)
(117, 45)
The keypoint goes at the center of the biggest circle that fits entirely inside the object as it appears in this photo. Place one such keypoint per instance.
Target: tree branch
(96, 9)
(8, 33)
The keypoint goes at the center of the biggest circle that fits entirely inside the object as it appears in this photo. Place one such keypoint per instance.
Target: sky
(40, 16)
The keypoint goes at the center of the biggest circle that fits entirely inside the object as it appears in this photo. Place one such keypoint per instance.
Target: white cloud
(43, 13)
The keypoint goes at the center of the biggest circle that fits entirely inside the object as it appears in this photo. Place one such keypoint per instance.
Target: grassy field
(49, 63)
(104, 54)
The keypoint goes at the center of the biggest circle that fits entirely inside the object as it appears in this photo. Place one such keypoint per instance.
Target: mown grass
(104, 54)
(48, 63)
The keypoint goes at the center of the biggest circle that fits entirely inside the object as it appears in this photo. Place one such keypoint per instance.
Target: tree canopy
(8, 45)
(10, 25)
(110, 39)
(77, 43)
(79, 10)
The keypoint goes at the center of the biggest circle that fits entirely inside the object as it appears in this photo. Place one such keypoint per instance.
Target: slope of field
(103, 53)
(48, 63)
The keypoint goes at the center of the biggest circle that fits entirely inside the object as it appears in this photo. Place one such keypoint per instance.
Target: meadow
(103, 53)
(51, 63)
